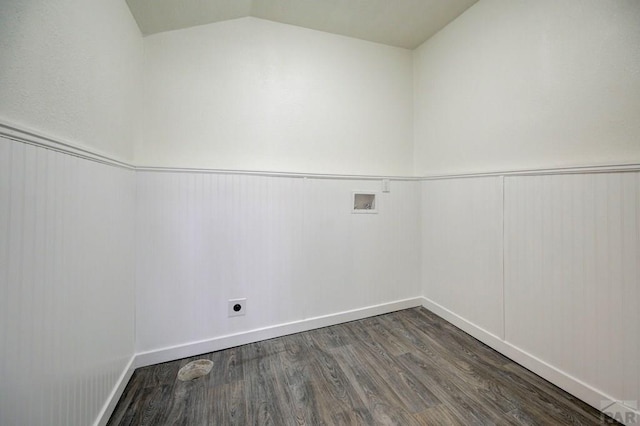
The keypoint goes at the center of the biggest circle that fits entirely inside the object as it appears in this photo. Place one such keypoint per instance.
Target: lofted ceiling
(401, 23)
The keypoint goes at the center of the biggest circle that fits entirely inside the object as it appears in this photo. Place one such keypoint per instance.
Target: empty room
(319, 212)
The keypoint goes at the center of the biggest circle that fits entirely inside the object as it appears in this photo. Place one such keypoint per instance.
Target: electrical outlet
(386, 185)
(237, 307)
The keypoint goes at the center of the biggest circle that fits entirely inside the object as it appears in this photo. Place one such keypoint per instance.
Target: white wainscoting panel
(462, 248)
(290, 245)
(572, 276)
(544, 268)
(66, 285)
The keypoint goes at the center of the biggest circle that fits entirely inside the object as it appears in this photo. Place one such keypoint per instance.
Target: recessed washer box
(364, 202)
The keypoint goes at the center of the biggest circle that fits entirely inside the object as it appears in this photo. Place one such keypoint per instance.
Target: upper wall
(71, 69)
(529, 84)
(250, 94)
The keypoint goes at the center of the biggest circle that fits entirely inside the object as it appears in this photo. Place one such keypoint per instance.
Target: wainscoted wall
(66, 285)
(572, 271)
(462, 248)
(290, 245)
(571, 298)
(545, 268)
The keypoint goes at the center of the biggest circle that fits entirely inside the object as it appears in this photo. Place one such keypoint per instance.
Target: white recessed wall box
(364, 202)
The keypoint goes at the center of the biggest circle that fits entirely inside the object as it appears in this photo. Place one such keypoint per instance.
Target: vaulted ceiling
(401, 23)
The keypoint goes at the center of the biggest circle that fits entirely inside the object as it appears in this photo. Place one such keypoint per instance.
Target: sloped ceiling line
(400, 23)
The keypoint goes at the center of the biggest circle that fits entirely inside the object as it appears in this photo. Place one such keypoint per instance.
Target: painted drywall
(291, 246)
(71, 70)
(66, 285)
(251, 94)
(529, 84)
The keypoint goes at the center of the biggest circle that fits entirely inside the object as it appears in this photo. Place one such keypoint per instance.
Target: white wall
(572, 273)
(549, 276)
(529, 84)
(250, 94)
(66, 285)
(71, 72)
(289, 245)
(71, 69)
(506, 86)
(462, 248)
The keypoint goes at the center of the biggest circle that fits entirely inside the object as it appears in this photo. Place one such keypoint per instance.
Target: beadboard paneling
(66, 285)
(572, 276)
(290, 245)
(462, 248)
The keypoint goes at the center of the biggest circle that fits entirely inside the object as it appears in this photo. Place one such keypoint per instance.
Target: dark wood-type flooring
(405, 368)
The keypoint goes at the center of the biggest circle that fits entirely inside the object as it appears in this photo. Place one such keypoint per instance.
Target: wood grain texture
(406, 368)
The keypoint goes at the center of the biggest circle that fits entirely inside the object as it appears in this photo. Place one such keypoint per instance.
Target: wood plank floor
(405, 368)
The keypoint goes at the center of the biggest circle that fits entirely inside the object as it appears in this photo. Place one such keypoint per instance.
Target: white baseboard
(116, 393)
(624, 413)
(597, 399)
(224, 342)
